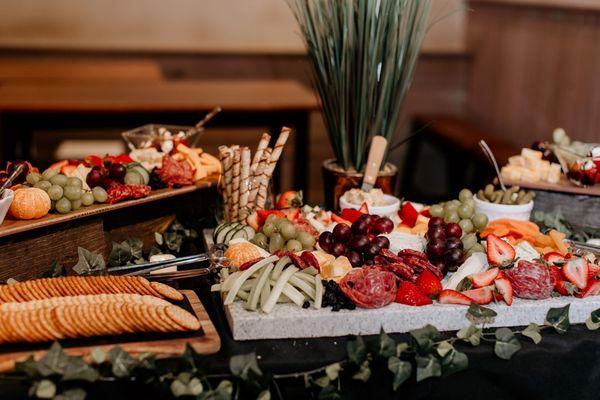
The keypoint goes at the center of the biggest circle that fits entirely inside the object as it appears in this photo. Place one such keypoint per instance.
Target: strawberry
(364, 208)
(425, 212)
(93, 160)
(253, 221)
(499, 252)
(68, 169)
(554, 258)
(264, 214)
(340, 220)
(289, 199)
(292, 214)
(482, 295)
(351, 214)
(449, 296)
(593, 271)
(504, 288)
(59, 164)
(560, 285)
(408, 214)
(576, 271)
(409, 293)
(485, 278)
(429, 284)
(592, 289)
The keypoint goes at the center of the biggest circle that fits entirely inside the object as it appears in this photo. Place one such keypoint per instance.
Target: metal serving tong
(582, 248)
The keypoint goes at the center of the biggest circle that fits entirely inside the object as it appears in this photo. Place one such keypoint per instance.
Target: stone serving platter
(290, 321)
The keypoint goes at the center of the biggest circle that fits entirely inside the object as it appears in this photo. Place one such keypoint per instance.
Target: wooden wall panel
(534, 69)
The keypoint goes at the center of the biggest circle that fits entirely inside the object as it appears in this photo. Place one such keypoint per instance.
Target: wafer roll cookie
(262, 145)
(257, 179)
(281, 140)
(235, 185)
(227, 173)
(244, 189)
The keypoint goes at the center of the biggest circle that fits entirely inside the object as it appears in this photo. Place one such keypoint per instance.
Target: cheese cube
(533, 154)
(554, 173)
(517, 161)
(529, 175)
(510, 172)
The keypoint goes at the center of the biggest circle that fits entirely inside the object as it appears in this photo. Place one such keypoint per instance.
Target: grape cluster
(278, 233)
(360, 242)
(66, 193)
(462, 212)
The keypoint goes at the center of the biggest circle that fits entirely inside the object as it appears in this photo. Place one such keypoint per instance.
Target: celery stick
(280, 266)
(278, 288)
(239, 281)
(263, 278)
(319, 291)
(302, 285)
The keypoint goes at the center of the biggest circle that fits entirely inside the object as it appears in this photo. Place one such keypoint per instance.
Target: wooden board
(564, 186)
(204, 341)
(13, 226)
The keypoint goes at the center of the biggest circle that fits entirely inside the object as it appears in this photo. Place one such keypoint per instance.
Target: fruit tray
(289, 321)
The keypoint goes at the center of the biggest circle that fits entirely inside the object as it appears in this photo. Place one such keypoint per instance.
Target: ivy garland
(61, 377)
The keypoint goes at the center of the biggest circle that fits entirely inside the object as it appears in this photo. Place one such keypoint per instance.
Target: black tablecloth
(560, 367)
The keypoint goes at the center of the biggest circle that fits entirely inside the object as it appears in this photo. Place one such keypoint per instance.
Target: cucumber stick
(304, 286)
(264, 293)
(278, 288)
(239, 280)
(318, 291)
(280, 266)
(263, 279)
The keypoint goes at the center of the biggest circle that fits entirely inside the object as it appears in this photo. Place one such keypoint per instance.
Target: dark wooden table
(27, 106)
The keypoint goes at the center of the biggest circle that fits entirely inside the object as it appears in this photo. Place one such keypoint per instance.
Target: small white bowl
(388, 210)
(5, 202)
(494, 211)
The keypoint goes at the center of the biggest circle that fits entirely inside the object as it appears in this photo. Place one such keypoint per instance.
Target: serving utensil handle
(376, 152)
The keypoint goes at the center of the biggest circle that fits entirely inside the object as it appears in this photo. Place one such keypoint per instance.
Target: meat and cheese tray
(294, 270)
(85, 312)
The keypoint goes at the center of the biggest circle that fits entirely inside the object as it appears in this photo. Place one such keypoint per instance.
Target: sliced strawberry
(252, 220)
(93, 160)
(59, 164)
(297, 260)
(425, 212)
(576, 271)
(409, 293)
(364, 208)
(408, 214)
(449, 296)
(289, 199)
(250, 263)
(429, 284)
(310, 259)
(340, 220)
(68, 169)
(592, 289)
(350, 214)
(499, 252)
(483, 295)
(504, 288)
(264, 214)
(593, 271)
(292, 213)
(554, 258)
(485, 278)
(122, 159)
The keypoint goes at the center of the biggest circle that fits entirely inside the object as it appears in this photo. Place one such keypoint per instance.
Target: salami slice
(530, 280)
(369, 287)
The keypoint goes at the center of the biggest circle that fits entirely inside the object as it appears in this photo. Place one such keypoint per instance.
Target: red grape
(436, 248)
(369, 262)
(355, 258)
(342, 233)
(441, 265)
(366, 217)
(337, 249)
(95, 177)
(382, 242)
(436, 221)
(436, 232)
(453, 243)
(453, 230)
(384, 225)
(117, 171)
(360, 227)
(358, 242)
(326, 240)
(453, 257)
(372, 250)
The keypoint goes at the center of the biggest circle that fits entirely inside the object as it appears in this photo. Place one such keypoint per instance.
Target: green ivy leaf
(471, 334)
(88, 262)
(506, 344)
(136, 245)
(533, 332)
(46, 389)
(401, 348)
(98, 355)
(147, 361)
(558, 318)
(329, 393)
(123, 363)
(264, 395)
(323, 381)
(245, 366)
(452, 361)
(178, 388)
(54, 362)
(173, 241)
(72, 394)
(78, 370)
(158, 238)
(364, 372)
(357, 351)
(333, 371)
(444, 348)
(480, 315)
(387, 346)
(400, 369)
(425, 337)
(27, 367)
(120, 254)
(428, 366)
(56, 270)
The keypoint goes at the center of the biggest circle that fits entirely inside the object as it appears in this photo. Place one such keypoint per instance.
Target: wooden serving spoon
(376, 152)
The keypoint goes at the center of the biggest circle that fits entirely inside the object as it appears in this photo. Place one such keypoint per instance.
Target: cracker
(151, 314)
(4, 296)
(183, 318)
(143, 287)
(167, 291)
(48, 321)
(117, 319)
(64, 323)
(128, 285)
(15, 294)
(23, 291)
(36, 290)
(36, 326)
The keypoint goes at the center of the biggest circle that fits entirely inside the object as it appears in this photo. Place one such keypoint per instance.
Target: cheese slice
(337, 269)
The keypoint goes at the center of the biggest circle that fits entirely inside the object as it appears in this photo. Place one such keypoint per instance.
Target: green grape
(73, 181)
(470, 203)
(456, 202)
(269, 229)
(87, 199)
(75, 204)
(465, 212)
(33, 178)
(261, 240)
(452, 217)
(480, 221)
(55, 192)
(288, 231)
(307, 240)
(465, 194)
(466, 225)
(436, 210)
(99, 194)
(450, 208)
(59, 179)
(63, 205)
(73, 192)
(272, 218)
(469, 240)
(293, 245)
(44, 185)
(276, 242)
(477, 248)
(49, 173)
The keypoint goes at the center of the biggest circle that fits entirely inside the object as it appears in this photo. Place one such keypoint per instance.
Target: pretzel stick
(262, 191)
(244, 190)
(235, 184)
(255, 183)
(262, 145)
(225, 153)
